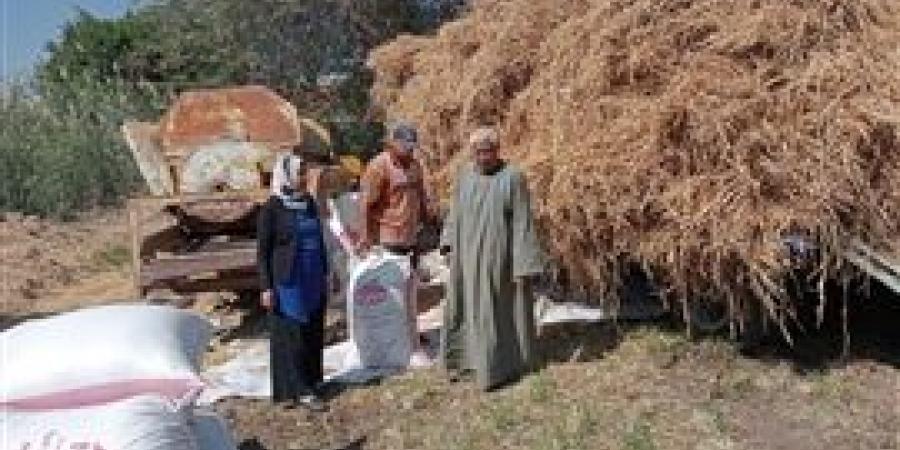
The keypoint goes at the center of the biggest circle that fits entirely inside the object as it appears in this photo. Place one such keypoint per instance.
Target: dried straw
(686, 135)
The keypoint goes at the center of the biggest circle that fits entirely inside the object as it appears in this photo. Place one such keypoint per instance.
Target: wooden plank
(193, 264)
(169, 239)
(134, 227)
(210, 252)
(161, 202)
(224, 283)
(881, 258)
(876, 265)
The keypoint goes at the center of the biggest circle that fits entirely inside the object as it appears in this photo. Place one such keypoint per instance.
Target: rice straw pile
(689, 136)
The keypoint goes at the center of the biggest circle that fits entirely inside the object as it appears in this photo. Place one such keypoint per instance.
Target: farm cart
(207, 168)
(195, 243)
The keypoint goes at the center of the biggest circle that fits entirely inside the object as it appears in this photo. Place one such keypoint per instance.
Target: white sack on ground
(138, 423)
(100, 351)
(377, 316)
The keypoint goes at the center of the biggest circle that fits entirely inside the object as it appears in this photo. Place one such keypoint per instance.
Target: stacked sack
(116, 377)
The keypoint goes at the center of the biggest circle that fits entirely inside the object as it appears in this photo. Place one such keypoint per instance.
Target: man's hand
(266, 300)
(525, 281)
(363, 247)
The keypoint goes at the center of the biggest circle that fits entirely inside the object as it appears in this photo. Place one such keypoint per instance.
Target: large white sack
(377, 316)
(137, 423)
(100, 351)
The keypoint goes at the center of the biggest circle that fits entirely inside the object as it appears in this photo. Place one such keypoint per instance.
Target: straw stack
(689, 136)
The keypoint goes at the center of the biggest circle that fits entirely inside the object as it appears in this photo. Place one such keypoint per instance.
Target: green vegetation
(114, 256)
(639, 436)
(60, 145)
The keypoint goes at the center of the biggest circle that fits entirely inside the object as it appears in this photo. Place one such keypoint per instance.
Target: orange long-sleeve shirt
(394, 201)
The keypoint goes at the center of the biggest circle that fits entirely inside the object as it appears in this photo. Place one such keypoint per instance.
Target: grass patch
(740, 386)
(113, 256)
(503, 417)
(656, 342)
(829, 387)
(639, 436)
(542, 387)
(573, 431)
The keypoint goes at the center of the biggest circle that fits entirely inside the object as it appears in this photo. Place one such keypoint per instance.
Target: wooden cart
(188, 242)
(197, 243)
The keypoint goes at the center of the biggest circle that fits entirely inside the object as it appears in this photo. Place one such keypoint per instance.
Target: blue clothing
(302, 295)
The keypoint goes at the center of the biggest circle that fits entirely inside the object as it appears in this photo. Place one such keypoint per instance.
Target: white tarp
(246, 374)
(95, 353)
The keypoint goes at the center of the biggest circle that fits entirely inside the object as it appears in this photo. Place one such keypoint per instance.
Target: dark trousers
(296, 356)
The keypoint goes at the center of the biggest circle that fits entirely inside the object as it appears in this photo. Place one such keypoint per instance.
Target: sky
(26, 26)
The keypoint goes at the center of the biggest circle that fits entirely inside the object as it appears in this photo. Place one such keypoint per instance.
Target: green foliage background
(60, 146)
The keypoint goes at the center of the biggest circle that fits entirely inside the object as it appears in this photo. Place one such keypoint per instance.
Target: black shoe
(284, 405)
(455, 376)
(312, 403)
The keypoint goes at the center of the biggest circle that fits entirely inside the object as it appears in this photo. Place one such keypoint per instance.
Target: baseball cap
(405, 135)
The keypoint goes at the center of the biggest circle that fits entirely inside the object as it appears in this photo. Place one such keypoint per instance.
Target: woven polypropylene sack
(137, 423)
(377, 319)
(101, 354)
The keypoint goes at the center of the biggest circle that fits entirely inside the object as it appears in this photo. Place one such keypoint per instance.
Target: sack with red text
(137, 423)
(98, 355)
(377, 316)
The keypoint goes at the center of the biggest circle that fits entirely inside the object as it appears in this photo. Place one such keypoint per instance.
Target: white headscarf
(284, 172)
(484, 136)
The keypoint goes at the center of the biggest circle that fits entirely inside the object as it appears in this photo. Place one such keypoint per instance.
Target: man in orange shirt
(394, 206)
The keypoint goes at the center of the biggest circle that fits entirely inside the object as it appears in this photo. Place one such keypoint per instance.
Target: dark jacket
(276, 243)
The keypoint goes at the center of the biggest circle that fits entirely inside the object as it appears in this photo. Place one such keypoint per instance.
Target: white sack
(138, 423)
(377, 317)
(111, 345)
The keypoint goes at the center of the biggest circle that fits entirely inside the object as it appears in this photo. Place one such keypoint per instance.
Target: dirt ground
(42, 260)
(640, 389)
(632, 387)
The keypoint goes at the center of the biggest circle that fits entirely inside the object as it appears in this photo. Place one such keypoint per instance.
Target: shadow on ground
(577, 342)
(872, 333)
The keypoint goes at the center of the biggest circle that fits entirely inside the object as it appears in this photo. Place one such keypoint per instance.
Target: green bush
(56, 162)
(61, 149)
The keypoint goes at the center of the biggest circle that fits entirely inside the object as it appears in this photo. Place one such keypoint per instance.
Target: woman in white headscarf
(293, 275)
